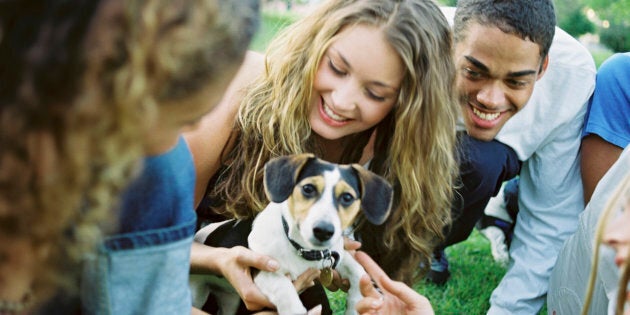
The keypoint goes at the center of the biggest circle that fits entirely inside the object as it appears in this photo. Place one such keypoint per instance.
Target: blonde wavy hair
(414, 145)
(86, 81)
(620, 199)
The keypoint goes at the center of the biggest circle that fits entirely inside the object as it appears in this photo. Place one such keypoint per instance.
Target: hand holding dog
(235, 267)
(396, 297)
(235, 263)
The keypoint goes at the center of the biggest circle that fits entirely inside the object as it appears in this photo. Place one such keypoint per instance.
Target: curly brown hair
(84, 80)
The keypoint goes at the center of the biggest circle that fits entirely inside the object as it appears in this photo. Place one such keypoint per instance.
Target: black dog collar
(312, 255)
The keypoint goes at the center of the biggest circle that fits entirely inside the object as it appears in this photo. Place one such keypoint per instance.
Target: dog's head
(324, 198)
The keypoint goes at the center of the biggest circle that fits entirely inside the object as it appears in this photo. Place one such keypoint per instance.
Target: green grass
(270, 24)
(474, 275)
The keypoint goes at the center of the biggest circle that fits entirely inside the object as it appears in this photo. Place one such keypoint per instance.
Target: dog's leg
(353, 271)
(280, 291)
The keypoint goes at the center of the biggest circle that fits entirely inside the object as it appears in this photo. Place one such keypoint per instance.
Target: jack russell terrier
(312, 203)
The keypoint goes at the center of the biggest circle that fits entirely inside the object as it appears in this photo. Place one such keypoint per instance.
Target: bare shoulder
(210, 138)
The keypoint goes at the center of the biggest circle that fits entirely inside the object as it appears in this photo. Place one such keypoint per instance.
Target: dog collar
(312, 255)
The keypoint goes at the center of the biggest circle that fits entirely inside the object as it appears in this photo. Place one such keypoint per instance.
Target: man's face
(496, 73)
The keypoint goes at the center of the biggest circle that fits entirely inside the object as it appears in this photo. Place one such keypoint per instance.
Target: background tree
(616, 32)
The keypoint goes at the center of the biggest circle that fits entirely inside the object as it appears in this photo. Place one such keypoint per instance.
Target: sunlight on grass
(474, 275)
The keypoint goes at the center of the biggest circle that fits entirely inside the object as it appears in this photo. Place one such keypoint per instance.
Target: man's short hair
(533, 20)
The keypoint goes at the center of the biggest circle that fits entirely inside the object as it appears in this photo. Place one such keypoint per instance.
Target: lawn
(474, 274)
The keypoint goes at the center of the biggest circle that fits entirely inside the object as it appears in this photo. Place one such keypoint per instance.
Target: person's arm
(606, 128)
(598, 155)
(210, 138)
(395, 297)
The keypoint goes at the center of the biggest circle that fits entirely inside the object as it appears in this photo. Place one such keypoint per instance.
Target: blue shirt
(609, 108)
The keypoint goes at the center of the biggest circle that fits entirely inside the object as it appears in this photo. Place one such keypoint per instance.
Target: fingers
(253, 298)
(372, 301)
(306, 279)
(241, 279)
(258, 261)
(371, 267)
(350, 244)
(408, 296)
(367, 288)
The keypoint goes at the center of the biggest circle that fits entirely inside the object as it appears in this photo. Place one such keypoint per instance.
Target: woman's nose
(345, 95)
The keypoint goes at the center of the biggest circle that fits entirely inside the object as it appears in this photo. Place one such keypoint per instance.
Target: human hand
(236, 269)
(337, 283)
(396, 297)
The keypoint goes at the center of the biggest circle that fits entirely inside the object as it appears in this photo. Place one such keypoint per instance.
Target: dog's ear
(377, 195)
(281, 174)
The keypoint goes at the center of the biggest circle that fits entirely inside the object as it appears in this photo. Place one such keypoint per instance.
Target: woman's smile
(330, 116)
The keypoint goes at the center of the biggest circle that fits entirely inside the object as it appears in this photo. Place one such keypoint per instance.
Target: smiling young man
(523, 86)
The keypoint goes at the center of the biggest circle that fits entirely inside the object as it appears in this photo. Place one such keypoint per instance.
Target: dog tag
(326, 276)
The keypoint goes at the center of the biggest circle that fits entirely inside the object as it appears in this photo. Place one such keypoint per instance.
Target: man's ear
(543, 67)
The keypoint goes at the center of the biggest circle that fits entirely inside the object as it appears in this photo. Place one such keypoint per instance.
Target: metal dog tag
(326, 276)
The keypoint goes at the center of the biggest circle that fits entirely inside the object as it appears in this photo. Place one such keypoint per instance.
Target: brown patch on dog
(347, 213)
(304, 195)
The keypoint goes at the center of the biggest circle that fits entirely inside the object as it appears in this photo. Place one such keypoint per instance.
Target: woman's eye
(334, 68)
(309, 190)
(374, 96)
(346, 199)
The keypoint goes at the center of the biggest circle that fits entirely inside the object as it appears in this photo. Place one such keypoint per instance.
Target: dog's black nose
(323, 231)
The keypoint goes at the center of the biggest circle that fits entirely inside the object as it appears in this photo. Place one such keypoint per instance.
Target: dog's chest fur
(268, 237)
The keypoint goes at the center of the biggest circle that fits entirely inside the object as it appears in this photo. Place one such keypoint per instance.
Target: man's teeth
(332, 115)
(485, 116)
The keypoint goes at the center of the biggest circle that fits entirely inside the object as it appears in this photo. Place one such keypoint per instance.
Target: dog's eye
(309, 190)
(346, 199)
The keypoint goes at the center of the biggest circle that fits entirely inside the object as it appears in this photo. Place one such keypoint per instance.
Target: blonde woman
(612, 230)
(617, 236)
(355, 81)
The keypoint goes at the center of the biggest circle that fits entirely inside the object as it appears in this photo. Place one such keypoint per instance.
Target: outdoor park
(601, 25)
